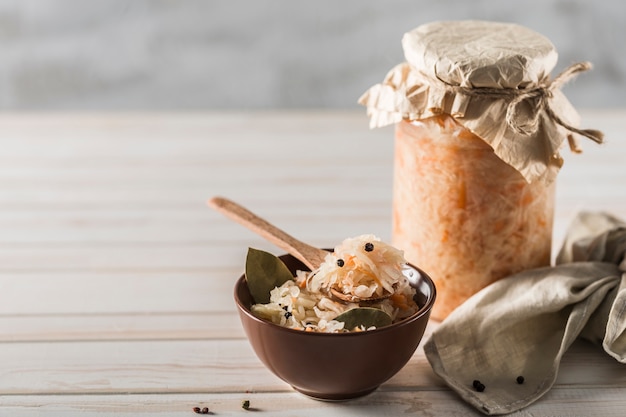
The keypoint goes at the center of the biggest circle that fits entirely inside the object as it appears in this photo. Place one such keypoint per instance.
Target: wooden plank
(185, 226)
(184, 194)
(571, 402)
(174, 137)
(214, 365)
(172, 366)
(120, 326)
(101, 291)
(120, 258)
(34, 172)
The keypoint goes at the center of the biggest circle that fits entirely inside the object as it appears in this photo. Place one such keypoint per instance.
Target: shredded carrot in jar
(462, 214)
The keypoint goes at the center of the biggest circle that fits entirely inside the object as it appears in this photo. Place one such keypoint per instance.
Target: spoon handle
(311, 256)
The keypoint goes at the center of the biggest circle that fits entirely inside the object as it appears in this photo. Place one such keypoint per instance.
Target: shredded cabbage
(304, 303)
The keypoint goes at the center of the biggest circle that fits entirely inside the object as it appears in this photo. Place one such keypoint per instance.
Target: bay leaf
(364, 316)
(264, 272)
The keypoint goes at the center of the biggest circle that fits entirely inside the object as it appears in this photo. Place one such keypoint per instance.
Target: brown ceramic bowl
(336, 366)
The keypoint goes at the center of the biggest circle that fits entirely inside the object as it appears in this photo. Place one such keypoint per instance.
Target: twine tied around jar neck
(543, 92)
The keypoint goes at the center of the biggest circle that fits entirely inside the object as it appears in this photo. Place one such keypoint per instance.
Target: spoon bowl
(351, 298)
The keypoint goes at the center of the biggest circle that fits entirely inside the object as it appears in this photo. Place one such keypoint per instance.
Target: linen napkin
(501, 349)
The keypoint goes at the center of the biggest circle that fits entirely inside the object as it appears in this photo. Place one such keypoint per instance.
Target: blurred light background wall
(261, 54)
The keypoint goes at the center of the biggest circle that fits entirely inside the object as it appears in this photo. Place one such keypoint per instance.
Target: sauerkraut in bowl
(362, 267)
(303, 358)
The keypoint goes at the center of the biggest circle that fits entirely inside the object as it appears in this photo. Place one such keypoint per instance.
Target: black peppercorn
(340, 263)
(369, 247)
(520, 379)
(288, 314)
(478, 386)
(197, 410)
(245, 404)
(205, 410)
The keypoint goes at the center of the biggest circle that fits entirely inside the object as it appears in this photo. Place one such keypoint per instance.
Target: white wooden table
(116, 279)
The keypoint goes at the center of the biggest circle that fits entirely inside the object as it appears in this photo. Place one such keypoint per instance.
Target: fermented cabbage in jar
(461, 213)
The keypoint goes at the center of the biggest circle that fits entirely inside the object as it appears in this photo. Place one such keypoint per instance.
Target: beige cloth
(522, 325)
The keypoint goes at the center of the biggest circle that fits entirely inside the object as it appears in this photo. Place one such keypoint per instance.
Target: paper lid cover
(494, 79)
(475, 53)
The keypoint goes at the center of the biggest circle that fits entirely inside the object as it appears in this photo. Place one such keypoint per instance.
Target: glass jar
(461, 213)
(479, 128)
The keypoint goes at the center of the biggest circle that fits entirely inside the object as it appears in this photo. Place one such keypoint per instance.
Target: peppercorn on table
(116, 279)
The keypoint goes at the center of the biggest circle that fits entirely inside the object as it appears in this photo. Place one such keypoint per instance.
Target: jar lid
(476, 54)
(494, 79)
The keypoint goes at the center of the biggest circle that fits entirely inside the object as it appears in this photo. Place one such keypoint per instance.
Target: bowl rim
(425, 309)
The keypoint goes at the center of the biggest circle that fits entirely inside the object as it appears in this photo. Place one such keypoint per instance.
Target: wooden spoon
(351, 298)
(311, 256)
